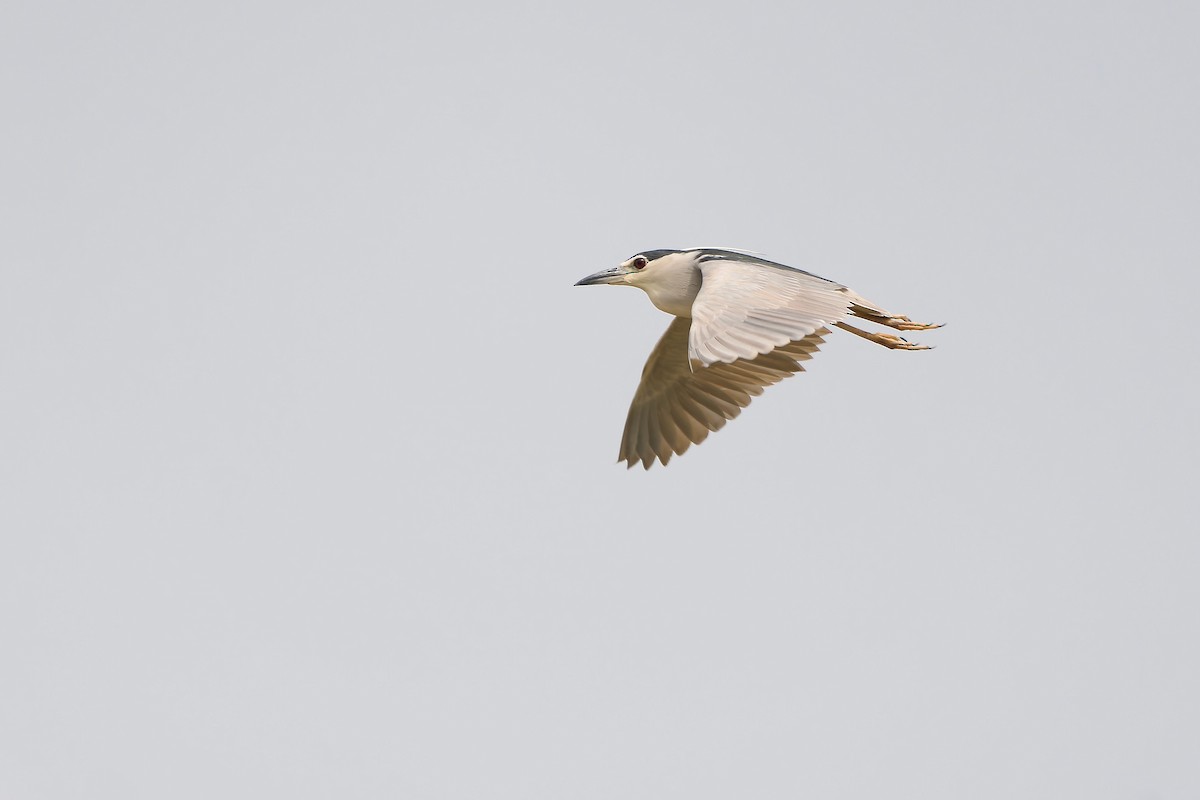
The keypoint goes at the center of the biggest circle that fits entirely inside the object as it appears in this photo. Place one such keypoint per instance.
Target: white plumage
(742, 323)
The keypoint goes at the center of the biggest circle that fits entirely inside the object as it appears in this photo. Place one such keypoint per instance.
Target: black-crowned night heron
(741, 323)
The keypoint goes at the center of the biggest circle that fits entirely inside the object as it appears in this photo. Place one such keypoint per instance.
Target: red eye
(639, 262)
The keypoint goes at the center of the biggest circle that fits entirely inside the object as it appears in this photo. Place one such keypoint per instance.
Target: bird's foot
(903, 323)
(898, 321)
(898, 343)
(886, 339)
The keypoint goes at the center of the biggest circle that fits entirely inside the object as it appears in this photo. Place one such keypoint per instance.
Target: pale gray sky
(308, 486)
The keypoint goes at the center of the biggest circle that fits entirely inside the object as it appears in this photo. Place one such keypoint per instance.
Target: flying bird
(741, 323)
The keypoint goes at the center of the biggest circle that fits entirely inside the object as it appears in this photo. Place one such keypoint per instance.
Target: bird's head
(636, 271)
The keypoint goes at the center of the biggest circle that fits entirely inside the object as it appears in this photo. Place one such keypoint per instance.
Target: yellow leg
(898, 321)
(886, 339)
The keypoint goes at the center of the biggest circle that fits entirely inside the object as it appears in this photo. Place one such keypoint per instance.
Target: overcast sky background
(308, 484)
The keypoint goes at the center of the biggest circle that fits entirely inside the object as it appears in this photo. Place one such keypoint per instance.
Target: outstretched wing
(749, 306)
(677, 406)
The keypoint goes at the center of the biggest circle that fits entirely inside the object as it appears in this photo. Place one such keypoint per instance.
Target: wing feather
(678, 403)
(749, 307)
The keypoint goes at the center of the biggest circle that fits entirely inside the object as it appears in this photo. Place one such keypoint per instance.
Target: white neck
(672, 282)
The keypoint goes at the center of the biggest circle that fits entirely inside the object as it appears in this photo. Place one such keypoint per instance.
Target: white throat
(672, 282)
